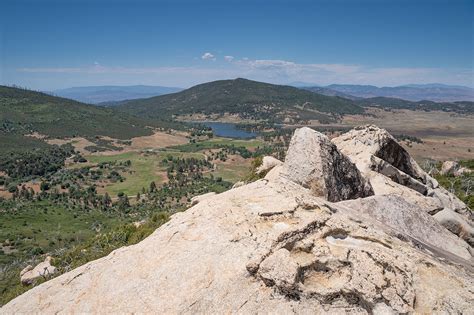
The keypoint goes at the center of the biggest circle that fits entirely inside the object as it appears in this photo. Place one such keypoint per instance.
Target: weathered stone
(449, 167)
(238, 184)
(225, 257)
(456, 224)
(396, 175)
(25, 270)
(281, 270)
(197, 199)
(361, 143)
(402, 216)
(462, 171)
(390, 170)
(43, 270)
(315, 163)
(274, 173)
(268, 162)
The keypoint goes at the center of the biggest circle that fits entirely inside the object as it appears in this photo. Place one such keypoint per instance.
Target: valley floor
(127, 169)
(445, 135)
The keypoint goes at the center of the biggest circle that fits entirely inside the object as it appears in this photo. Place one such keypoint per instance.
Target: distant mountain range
(330, 92)
(412, 92)
(247, 99)
(273, 103)
(112, 93)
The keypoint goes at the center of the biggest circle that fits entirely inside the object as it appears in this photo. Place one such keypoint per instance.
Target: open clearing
(158, 140)
(142, 172)
(416, 123)
(147, 167)
(235, 168)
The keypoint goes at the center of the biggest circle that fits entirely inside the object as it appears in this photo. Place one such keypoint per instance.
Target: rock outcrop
(453, 168)
(456, 224)
(314, 162)
(390, 170)
(449, 167)
(402, 216)
(278, 245)
(197, 199)
(268, 162)
(43, 270)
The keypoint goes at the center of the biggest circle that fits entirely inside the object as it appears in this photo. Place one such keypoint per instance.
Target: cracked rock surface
(314, 162)
(274, 246)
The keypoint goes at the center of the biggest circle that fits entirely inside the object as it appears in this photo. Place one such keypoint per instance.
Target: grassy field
(48, 226)
(142, 172)
(249, 144)
(145, 168)
(32, 229)
(233, 171)
(213, 143)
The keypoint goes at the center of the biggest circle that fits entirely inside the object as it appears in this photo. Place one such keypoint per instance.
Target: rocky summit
(351, 224)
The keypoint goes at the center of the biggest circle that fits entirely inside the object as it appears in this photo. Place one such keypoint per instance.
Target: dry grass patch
(158, 140)
(442, 148)
(78, 143)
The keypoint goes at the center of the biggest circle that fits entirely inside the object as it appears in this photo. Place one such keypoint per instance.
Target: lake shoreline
(227, 130)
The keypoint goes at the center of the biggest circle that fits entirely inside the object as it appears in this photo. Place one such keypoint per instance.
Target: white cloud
(208, 56)
(229, 58)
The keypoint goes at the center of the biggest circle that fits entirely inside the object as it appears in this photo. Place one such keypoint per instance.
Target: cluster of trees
(184, 165)
(200, 130)
(185, 180)
(403, 137)
(76, 198)
(34, 163)
(76, 188)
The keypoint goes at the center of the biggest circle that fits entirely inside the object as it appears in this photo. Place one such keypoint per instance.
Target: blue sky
(56, 44)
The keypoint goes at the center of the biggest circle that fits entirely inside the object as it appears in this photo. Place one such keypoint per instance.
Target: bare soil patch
(442, 148)
(78, 143)
(37, 135)
(158, 140)
(4, 193)
(416, 123)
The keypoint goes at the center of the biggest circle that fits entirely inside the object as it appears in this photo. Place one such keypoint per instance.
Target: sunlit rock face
(314, 162)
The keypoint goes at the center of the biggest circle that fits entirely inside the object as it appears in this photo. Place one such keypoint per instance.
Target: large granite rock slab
(315, 163)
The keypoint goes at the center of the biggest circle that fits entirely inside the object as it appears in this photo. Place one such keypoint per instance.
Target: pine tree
(152, 187)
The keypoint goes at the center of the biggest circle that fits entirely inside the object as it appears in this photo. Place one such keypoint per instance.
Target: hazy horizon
(183, 43)
(295, 84)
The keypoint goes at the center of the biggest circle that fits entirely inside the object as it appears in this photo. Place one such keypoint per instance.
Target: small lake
(229, 130)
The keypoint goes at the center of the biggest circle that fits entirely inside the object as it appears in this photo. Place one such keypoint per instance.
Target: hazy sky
(56, 44)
